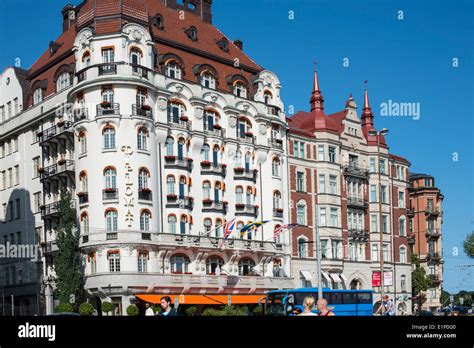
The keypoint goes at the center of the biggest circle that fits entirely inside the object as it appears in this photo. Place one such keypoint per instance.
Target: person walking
(308, 305)
(165, 303)
(149, 310)
(323, 308)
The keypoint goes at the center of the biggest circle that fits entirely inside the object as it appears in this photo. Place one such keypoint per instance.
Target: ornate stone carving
(262, 128)
(162, 104)
(199, 113)
(232, 121)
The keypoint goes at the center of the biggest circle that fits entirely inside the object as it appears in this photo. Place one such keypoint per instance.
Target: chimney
(239, 44)
(69, 16)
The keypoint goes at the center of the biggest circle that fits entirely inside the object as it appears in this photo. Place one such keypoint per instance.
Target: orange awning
(203, 299)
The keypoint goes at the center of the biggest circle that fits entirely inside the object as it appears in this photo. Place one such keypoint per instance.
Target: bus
(341, 302)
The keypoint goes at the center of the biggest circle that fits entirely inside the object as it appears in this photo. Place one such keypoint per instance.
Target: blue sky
(409, 60)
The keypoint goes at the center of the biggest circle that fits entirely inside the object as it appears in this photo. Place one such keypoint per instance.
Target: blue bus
(341, 302)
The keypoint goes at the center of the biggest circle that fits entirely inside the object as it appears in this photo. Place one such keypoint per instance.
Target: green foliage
(210, 312)
(190, 311)
(64, 307)
(226, 311)
(67, 260)
(132, 310)
(107, 307)
(469, 245)
(258, 310)
(419, 280)
(157, 309)
(86, 309)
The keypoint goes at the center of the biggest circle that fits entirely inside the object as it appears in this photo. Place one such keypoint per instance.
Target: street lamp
(377, 134)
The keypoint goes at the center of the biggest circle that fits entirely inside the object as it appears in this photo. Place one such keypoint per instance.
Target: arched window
(238, 159)
(84, 223)
(215, 155)
(268, 98)
(356, 284)
(276, 167)
(301, 213)
(277, 234)
(249, 195)
(403, 254)
(240, 90)
(214, 263)
(142, 139)
(172, 223)
(218, 229)
(403, 283)
(181, 149)
(86, 59)
(244, 128)
(179, 264)
(276, 200)
(135, 58)
(402, 226)
(110, 178)
(302, 247)
(176, 111)
(182, 224)
(108, 95)
(182, 187)
(173, 70)
(143, 176)
(207, 225)
(246, 266)
(140, 98)
(37, 96)
(111, 223)
(63, 81)
(108, 136)
(205, 152)
(206, 190)
(239, 193)
(169, 146)
(83, 182)
(248, 162)
(208, 80)
(145, 217)
(211, 120)
(170, 181)
(82, 138)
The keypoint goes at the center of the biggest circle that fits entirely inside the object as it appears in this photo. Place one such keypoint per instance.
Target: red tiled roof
(107, 7)
(399, 159)
(105, 26)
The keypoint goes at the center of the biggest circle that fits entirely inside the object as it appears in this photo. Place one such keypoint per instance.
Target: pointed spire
(367, 114)
(349, 100)
(316, 101)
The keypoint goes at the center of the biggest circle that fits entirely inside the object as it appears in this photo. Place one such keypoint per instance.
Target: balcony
(107, 69)
(433, 233)
(410, 213)
(181, 123)
(435, 279)
(110, 194)
(49, 247)
(211, 168)
(208, 205)
(278, 213)
(432, 212)
(111, 235)
(83, 197)
(275, 143)
(145, 195)
(357, 202)
(272, 110)
(142, 110)
(247, 138)
(216, 131)
(241, 173)
(411, 239)
(353, 169)
(173, 162)
(80, 114)
(60, 131)
(140, 71)
(358, 235)
(181, 202)
(105, 109)
(434, 257)
(246, 209)
(52, 210)
(64, 168)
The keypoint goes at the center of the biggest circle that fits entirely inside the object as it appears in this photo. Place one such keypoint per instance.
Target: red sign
(375, 279)
(387, 280)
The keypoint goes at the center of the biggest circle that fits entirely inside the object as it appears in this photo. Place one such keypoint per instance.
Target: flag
(229, 228)
(252, 226)
(282, 228)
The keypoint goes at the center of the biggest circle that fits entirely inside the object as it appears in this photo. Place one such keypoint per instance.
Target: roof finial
(316, 100)
(366, 96)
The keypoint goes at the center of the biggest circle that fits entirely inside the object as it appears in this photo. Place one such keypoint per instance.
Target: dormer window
(159, 22)
(37, 96)
(208, 80)
(268, 98)
(223, 44)
(240, 90)
(54, 47)
(192, 33)
(173, 70)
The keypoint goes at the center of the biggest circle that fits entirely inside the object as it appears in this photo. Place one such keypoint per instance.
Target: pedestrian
(323, 308)
(297, 311)
(387, 307)
(149, 310)
(165, 303)
(308, 305)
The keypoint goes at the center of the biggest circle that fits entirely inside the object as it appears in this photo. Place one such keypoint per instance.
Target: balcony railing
(181, 123)
(52, 209)
(436, 279)
(80, 114)
(210, 205)
(139, 70)
(60, 128)
(432, 211)
(109, 194)
(351, 168)
(104, 109)
(111, 235)
(243, 174)
(62, 167)
(272, 110)
(433, 257)
(83, 197)
(410, 212)
(182, 202)
(217, 132)
(247, 138)
(246, 209)
(433, 233)
(213, 168)
(178, 163)
(358, 234)
(357, 202)
(107, 69)
(142, 110)
(278, 213)
(275, 143)
(145, 195)
(411, 239)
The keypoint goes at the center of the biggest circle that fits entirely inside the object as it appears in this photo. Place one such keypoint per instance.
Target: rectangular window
(36, 166)
(114, 262)
(334, 217)
(333, 184)
(320, 152)
(3, 180)
(10, 177)
(373, 193)
(18, 208)
(11, 211)
(372, 165)
(18, 238)
(401, 199)
(428, 182)
(324, 246)
(322, 217)
(15, 144)
(332, 154)
(36, 202)
(386, 255)
(322, 183)
(383, 193)
(295, 148)
(300, 181)
(142, 262)
(2, 114)
(17, 175)
(385, 223)
(108, 55)
(302, 145)
(373, 222)
(375, 252)
(382, 166)
(15, 105)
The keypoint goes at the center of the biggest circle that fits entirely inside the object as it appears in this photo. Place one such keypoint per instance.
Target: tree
(190, 311)
(469, 245)
(67, 260)
(419, 281)
(64, 307)
(86, 309)
(107, 307)
(132, 310)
